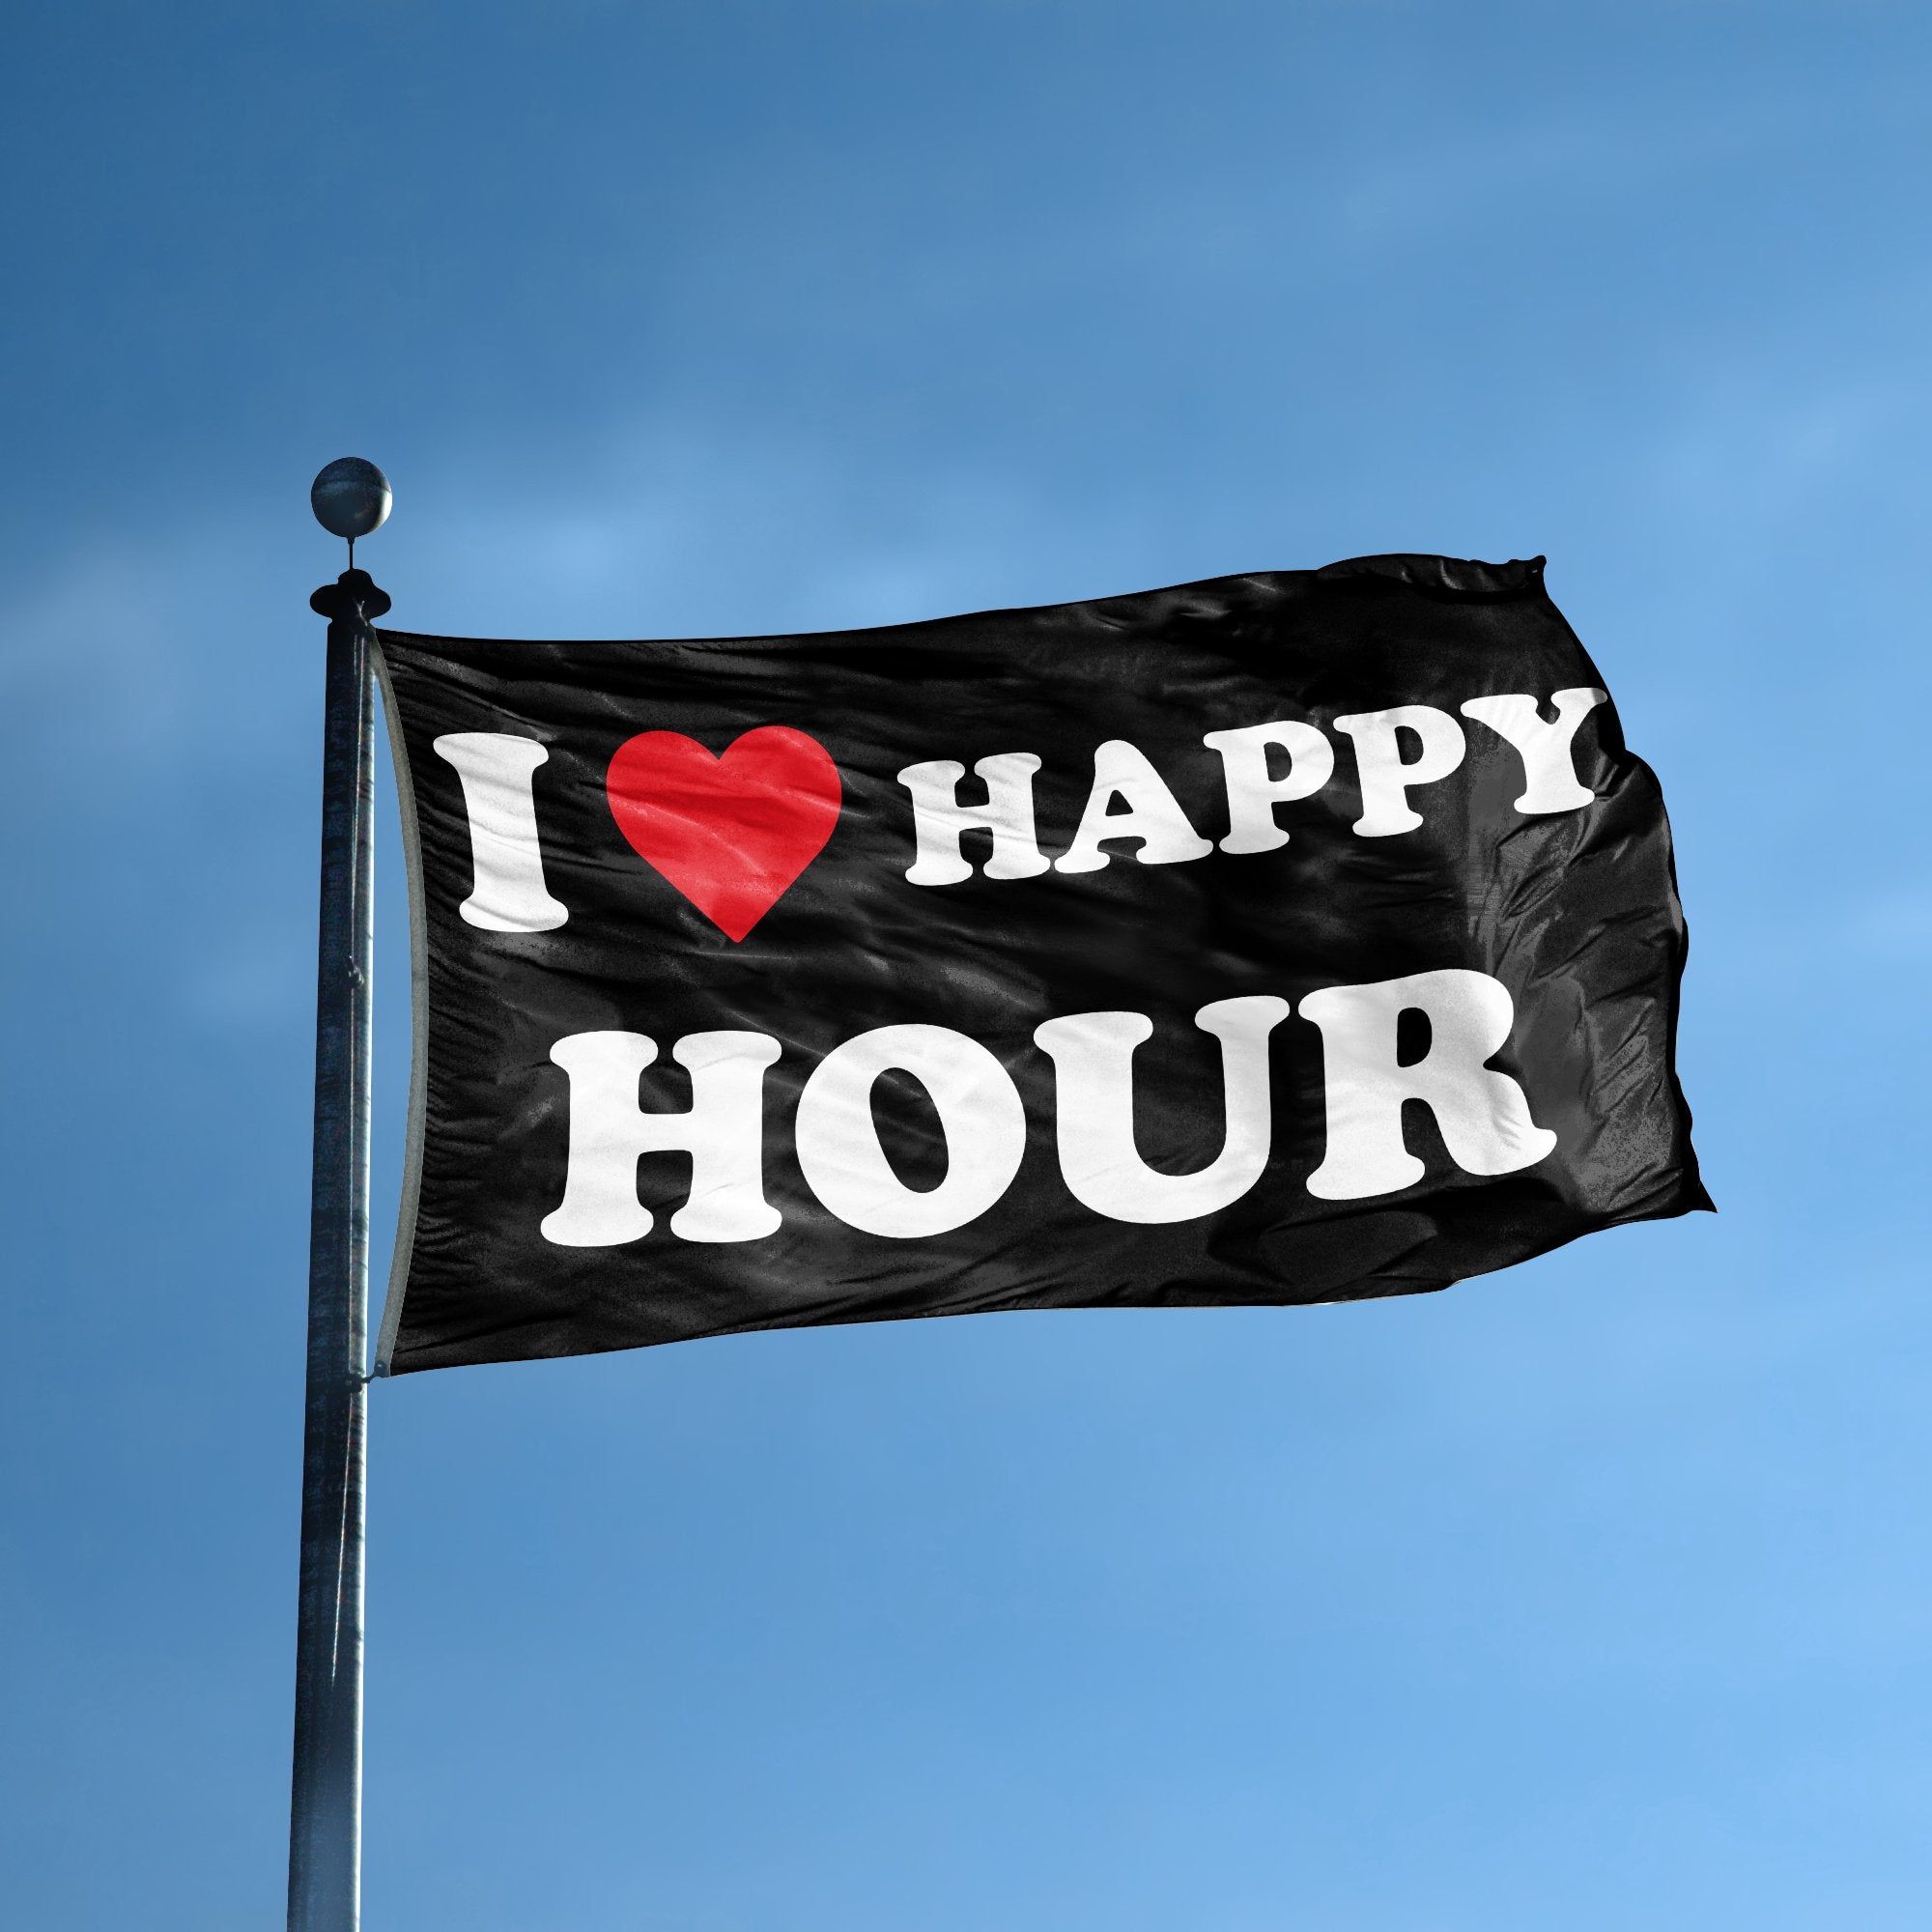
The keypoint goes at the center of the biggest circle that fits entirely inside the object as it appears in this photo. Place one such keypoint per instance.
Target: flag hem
(1452, 578)
(412, 1193)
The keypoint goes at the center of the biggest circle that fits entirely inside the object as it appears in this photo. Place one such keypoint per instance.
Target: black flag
(1286, 938)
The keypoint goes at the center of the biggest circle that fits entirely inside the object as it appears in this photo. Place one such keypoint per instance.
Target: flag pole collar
(353, 598)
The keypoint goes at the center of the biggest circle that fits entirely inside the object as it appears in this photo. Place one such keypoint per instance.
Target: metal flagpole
(351, 497)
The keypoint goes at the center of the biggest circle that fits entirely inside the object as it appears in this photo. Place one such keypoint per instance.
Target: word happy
(1129, 800)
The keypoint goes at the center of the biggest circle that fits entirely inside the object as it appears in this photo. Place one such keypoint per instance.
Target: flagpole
(325, 1810)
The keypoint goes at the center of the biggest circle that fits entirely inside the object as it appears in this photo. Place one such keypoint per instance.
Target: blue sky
(1593, 1595)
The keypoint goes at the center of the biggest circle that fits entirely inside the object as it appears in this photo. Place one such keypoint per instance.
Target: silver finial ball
(349, 498)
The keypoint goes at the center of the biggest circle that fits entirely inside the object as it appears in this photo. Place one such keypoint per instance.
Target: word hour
(1483, 1115)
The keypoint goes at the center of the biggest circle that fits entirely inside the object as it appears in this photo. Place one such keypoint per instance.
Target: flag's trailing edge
(1294, 937)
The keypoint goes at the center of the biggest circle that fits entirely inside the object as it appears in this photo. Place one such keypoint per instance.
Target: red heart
(731, 834)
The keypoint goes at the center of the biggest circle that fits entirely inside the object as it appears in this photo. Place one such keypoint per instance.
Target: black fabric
(1574, 913)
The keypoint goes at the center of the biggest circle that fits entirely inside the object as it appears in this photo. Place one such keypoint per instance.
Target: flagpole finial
(351, 497)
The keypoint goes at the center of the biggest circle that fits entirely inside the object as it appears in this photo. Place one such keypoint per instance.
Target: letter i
(508, 894)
